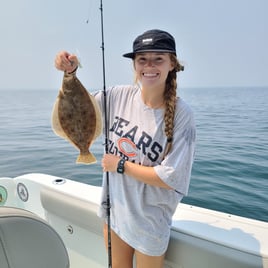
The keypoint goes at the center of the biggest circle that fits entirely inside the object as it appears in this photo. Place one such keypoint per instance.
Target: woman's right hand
(66, 62)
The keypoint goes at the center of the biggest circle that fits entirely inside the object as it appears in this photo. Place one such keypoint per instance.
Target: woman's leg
(122, 253)
(145, 261)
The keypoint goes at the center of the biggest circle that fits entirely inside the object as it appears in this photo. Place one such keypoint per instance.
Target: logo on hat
(147, 41)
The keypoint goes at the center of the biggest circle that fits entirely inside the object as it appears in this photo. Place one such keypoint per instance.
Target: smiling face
(152, 69)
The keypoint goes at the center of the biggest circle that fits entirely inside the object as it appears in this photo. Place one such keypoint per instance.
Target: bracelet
(121, 166)
(74, 71)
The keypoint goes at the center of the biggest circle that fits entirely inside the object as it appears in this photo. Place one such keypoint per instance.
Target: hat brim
(131, 55)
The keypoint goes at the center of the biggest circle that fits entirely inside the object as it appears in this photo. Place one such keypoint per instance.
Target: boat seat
(27, 241)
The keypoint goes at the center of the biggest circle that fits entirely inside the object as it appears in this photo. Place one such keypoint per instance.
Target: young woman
(151, 148)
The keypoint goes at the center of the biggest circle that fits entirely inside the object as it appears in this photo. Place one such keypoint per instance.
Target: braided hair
(170, 99)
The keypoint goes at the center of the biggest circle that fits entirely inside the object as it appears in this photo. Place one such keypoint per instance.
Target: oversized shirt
(141, 214)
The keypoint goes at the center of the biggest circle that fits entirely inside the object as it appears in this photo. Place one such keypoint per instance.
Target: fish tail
(86, 158)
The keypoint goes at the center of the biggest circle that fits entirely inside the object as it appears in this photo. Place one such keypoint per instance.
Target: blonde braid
(170, 98)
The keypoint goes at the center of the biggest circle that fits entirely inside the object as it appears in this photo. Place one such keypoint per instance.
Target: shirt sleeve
(99, 97)
(175, 169)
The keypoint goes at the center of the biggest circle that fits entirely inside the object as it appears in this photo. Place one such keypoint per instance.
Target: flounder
(76, 117)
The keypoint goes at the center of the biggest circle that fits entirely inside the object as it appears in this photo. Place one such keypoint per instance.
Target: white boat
(200, 238)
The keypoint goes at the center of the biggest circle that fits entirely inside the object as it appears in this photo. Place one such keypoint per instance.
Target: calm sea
(230, 172)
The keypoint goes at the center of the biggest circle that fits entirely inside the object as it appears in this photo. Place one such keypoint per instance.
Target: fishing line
(108, 204)
(77, 53)
(89, 13)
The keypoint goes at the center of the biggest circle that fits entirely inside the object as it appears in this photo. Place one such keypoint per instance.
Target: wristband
(74, 71)
(121, 166)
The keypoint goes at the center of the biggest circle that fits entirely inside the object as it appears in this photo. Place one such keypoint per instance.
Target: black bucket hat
(153, 41)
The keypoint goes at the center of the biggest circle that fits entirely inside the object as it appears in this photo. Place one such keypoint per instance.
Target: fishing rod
(108, 203)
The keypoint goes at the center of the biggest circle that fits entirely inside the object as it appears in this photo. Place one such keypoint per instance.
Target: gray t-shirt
(141, 214)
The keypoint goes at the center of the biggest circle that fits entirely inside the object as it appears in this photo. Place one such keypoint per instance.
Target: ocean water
(230, 171)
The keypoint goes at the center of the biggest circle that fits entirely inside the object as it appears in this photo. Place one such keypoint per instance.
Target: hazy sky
(221, 42)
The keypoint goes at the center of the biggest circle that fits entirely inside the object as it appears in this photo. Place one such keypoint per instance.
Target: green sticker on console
(3, 195)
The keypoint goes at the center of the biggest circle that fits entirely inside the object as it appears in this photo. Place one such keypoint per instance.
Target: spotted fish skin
(76, 117)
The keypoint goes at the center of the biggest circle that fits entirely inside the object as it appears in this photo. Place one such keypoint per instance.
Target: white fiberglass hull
(200, 237)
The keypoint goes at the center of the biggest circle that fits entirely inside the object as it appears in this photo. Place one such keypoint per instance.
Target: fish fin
(98, 130)
(86, 158)
(56, 126)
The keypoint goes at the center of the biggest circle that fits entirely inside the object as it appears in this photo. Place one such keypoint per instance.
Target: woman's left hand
(109, 163)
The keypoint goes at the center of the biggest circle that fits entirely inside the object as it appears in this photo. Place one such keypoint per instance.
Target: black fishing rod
(108, 203)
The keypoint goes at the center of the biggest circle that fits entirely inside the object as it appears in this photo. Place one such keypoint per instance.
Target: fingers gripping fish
(76, 117)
